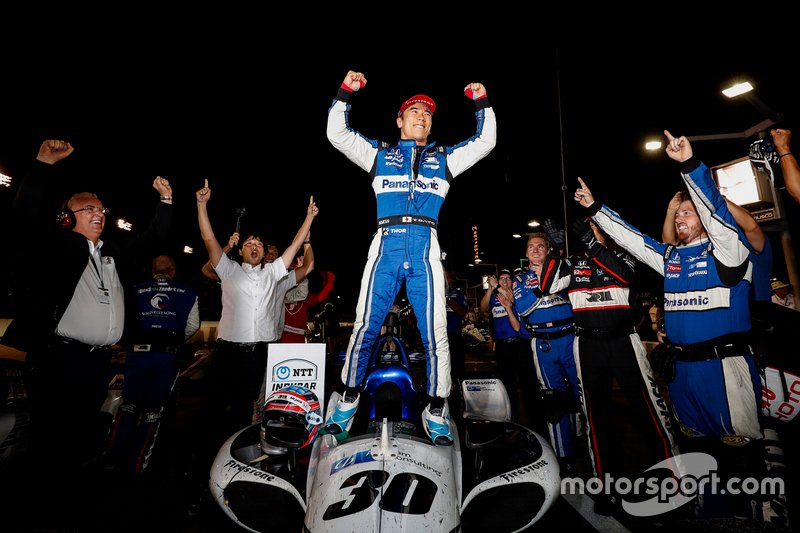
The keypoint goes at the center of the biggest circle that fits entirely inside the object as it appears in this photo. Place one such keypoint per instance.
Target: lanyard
(99, 272)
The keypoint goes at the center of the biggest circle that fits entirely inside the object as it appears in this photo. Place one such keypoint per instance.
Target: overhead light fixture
(534, 223)
(517, 235)
(5, 181)
(745, 90)
(188, 250)
(124, 224)
(653, 145)
(737, 89)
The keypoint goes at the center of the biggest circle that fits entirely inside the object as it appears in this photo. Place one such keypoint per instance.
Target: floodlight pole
(753, 99)
(563, 176)
(715, 137)
(759, 104)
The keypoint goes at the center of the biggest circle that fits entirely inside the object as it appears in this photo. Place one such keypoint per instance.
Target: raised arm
(208, 270)
(302, 234)
(52, 151)
(642, 247)
(730, 250)
(356, 147)
(39, 190)
(306, 265)
(127, 250)
(487, 295)
(164, 189)
(755, 235)
(478, 146)
(556, 269)
(789, 166)
(206, 231)
(668, 234)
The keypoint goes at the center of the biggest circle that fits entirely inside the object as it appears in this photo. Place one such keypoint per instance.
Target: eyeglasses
(92, 209)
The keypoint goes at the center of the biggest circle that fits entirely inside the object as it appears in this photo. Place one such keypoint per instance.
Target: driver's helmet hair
(291, 417)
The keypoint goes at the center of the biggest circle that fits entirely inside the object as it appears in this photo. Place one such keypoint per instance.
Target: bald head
(164, 265)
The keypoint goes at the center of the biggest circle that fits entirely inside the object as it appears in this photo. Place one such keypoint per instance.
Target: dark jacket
(46, 284)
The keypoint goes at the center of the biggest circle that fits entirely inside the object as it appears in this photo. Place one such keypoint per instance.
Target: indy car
(385, 474)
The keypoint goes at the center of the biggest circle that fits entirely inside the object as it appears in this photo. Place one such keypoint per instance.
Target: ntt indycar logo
(670, 484)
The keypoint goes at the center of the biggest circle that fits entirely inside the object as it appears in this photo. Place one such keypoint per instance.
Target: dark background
(249, 114)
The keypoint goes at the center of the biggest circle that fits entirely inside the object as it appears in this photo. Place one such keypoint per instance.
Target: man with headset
(74, 310)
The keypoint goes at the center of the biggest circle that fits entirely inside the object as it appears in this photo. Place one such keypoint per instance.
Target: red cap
(418, 99)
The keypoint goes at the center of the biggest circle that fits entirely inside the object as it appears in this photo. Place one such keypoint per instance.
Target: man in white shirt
(76, 308)
(246, 326)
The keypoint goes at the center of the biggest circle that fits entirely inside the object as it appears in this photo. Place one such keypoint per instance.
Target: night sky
(250, 116)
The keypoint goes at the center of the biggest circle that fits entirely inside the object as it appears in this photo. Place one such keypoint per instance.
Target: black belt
(509, 340)
(733, 345)
(78, 345)
(417, 220)
(162, 348)
(599, 333)
(720, 351)
(550, 335)
(243, 347)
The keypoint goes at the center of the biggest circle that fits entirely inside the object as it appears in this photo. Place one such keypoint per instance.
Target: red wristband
(347, 88)
(470, 94)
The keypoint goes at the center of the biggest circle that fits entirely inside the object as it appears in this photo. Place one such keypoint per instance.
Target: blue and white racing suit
(549, 319)
(717, 388)
(410, 185)
(166, 315)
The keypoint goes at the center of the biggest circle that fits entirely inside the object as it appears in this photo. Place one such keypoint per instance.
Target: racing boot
(436, 421)
(342, 417)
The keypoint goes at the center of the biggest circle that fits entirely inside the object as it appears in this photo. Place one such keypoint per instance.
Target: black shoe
(606, 504)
